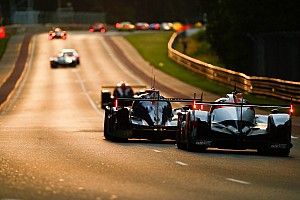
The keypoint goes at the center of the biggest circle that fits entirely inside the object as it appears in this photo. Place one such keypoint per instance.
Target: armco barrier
(278, 88)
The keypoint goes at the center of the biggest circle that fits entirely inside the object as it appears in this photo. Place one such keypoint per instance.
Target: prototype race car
(154, 26)
(151, 116)
(125, 26)
(141, 26)
(66, 57)
(57, 33)
(98, 27)
(231, 123)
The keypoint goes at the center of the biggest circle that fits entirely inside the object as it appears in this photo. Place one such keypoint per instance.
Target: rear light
(291, 109)
(118, 25)
(201, 107)
(116, 103)
(194, 105)
(91, 30)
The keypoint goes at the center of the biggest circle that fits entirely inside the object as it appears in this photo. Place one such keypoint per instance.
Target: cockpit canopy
(154, 112)
(228, 113)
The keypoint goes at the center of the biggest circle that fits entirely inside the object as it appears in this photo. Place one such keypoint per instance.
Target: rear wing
(132, 86)
(197, 103)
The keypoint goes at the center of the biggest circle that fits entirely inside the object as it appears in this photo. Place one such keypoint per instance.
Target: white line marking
(86, 93)
(181, 163)
(157, 151)
(294, 137)
(238, 181)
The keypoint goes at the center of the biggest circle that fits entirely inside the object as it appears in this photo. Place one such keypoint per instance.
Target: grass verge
(153, 48)
(3, 43)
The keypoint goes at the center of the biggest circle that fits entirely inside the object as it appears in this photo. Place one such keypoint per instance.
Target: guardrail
(278, 88)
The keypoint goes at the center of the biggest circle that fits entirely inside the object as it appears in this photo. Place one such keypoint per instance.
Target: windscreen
(233, 114)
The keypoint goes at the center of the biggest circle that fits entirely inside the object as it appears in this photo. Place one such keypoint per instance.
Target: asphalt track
(52, 145)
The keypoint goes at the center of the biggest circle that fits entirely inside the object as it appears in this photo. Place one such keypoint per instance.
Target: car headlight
(68, 59)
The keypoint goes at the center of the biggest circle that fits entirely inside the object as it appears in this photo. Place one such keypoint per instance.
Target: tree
(231, 22)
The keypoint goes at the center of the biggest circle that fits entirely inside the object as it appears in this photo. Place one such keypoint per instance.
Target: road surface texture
(52, 145)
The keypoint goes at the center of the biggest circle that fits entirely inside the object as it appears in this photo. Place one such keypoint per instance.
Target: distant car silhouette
(57, 33)
(66, 57)
(98, 27)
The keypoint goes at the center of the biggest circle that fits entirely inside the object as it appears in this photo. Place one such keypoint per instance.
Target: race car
(125, 26)
(98, 27)
(141, 26)
(57, 33)
(121, 90)
(231, 123)
(166, 26)
(154, 26)
(150, 116)
(66, 57)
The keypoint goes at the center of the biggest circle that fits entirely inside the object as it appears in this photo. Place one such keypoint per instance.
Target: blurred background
(255, 37)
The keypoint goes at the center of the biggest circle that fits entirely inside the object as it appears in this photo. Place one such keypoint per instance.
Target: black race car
(150, 116)
(98, 27)
(57, 33)
(66, 57)
(231, 123)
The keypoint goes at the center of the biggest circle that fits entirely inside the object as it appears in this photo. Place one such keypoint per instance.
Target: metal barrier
(278, 88)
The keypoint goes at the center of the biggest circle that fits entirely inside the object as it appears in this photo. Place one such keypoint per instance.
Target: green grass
(3, 43)
(153, 48)
(199, 48)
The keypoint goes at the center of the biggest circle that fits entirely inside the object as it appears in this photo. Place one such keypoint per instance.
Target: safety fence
(278, 88)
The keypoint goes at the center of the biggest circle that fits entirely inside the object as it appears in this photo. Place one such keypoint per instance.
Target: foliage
(200, 48)
(3, 43)
(232, 22)
(153, 47)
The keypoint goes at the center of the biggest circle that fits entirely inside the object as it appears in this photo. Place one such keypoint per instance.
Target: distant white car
(166, 26)
(66, 57)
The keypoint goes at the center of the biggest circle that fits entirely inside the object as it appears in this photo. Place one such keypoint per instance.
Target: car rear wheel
(109, 129)
(190, 146)
(53, 66)
(179, 142)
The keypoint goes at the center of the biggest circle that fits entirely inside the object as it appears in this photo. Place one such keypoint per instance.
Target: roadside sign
(2, 32)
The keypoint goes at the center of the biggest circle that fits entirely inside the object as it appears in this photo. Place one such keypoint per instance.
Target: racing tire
(179, 143)
(53, 66)
(74, 64)
(108, 134)
(190, 146)
(106, 128)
